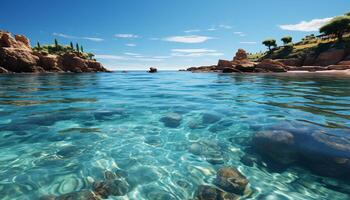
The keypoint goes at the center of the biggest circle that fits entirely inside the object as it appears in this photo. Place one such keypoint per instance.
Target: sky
(177, 34)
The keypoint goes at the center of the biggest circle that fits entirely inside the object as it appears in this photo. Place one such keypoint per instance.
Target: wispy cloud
(64, 35)
(194, 52)
(192, 31)
(132, 54)
(239, 33)
(225, 26)
(306, 26)
(126, 36)
(212, 29)
(130, 45)
(94, 39)
(110, 57)
(248, 42)
(188, 39)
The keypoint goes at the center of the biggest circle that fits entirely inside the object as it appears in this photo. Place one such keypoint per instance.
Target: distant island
(328, 51)
(17, 56)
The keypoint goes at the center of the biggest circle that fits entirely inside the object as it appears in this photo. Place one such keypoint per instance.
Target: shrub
(286, 40)
(337, 26)
(270, 43)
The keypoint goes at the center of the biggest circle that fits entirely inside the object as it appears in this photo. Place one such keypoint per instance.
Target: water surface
(61, 132)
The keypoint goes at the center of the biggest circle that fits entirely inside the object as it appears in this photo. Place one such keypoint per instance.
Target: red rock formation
(271, 66)
(240, 55)
(330, 57)
(16, 55)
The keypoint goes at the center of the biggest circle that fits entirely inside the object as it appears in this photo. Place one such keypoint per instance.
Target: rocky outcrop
(330, 57)
(271, 66)
(17, 56)
(152, 70)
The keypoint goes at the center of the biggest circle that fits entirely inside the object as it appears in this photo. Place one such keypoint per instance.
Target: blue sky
(137, 34)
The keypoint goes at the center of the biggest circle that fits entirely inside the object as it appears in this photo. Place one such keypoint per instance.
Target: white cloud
(93, 39)
(212, 29)
(239, 33)
(110, 57)
(130, 45)
(64, 35)
(194, 52)
(188, 39)
(132, 54)
(225, 26)
(306, 26)
(248, 42)
(192, 31)
(126, 36)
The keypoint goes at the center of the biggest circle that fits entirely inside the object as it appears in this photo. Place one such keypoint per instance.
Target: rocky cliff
(330, 59)
(17, 56)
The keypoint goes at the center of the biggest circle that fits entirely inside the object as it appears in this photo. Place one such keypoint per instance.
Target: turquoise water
(62, 132)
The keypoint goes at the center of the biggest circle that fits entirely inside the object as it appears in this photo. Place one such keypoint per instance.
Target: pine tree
(77, 47)
(38, 45)
(82, 49)
(56, 43)
(71, 45)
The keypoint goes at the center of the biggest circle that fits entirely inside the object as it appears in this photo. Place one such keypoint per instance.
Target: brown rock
(338, 67)
(231, 180)
(48, 62)
(345, 62)
(230, 70)
(309, 60)
(224, 64)
(240, 55)
(291, 62)
(17, 60)
(271, 66)
(23, 39)
(330, 57)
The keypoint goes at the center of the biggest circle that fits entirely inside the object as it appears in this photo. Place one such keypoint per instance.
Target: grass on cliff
(312, 46)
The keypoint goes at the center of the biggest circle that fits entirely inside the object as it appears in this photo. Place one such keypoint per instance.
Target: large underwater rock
(323, 151)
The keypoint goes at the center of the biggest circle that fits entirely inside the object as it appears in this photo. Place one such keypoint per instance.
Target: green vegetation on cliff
(335, 35)
(59, 49)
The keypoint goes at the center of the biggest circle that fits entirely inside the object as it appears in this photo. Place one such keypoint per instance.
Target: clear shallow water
(59, 133)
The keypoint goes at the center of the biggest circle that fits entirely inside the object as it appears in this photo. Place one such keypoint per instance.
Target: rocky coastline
(332, 59)
(17, 56)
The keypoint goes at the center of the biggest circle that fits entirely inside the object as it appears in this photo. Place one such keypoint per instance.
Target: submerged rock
(172, 120)
(206, 192)
(111, 188)
(278, 145)
(80, 195)
(210, 118)
(231, 180)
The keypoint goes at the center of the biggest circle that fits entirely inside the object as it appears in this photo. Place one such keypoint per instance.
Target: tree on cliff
(286, 40)
(337, 26)
(77, 47)
(270, 43)
(56, 43)
(71, 45)
(38, 45)
(348, 14)
(81, 48)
